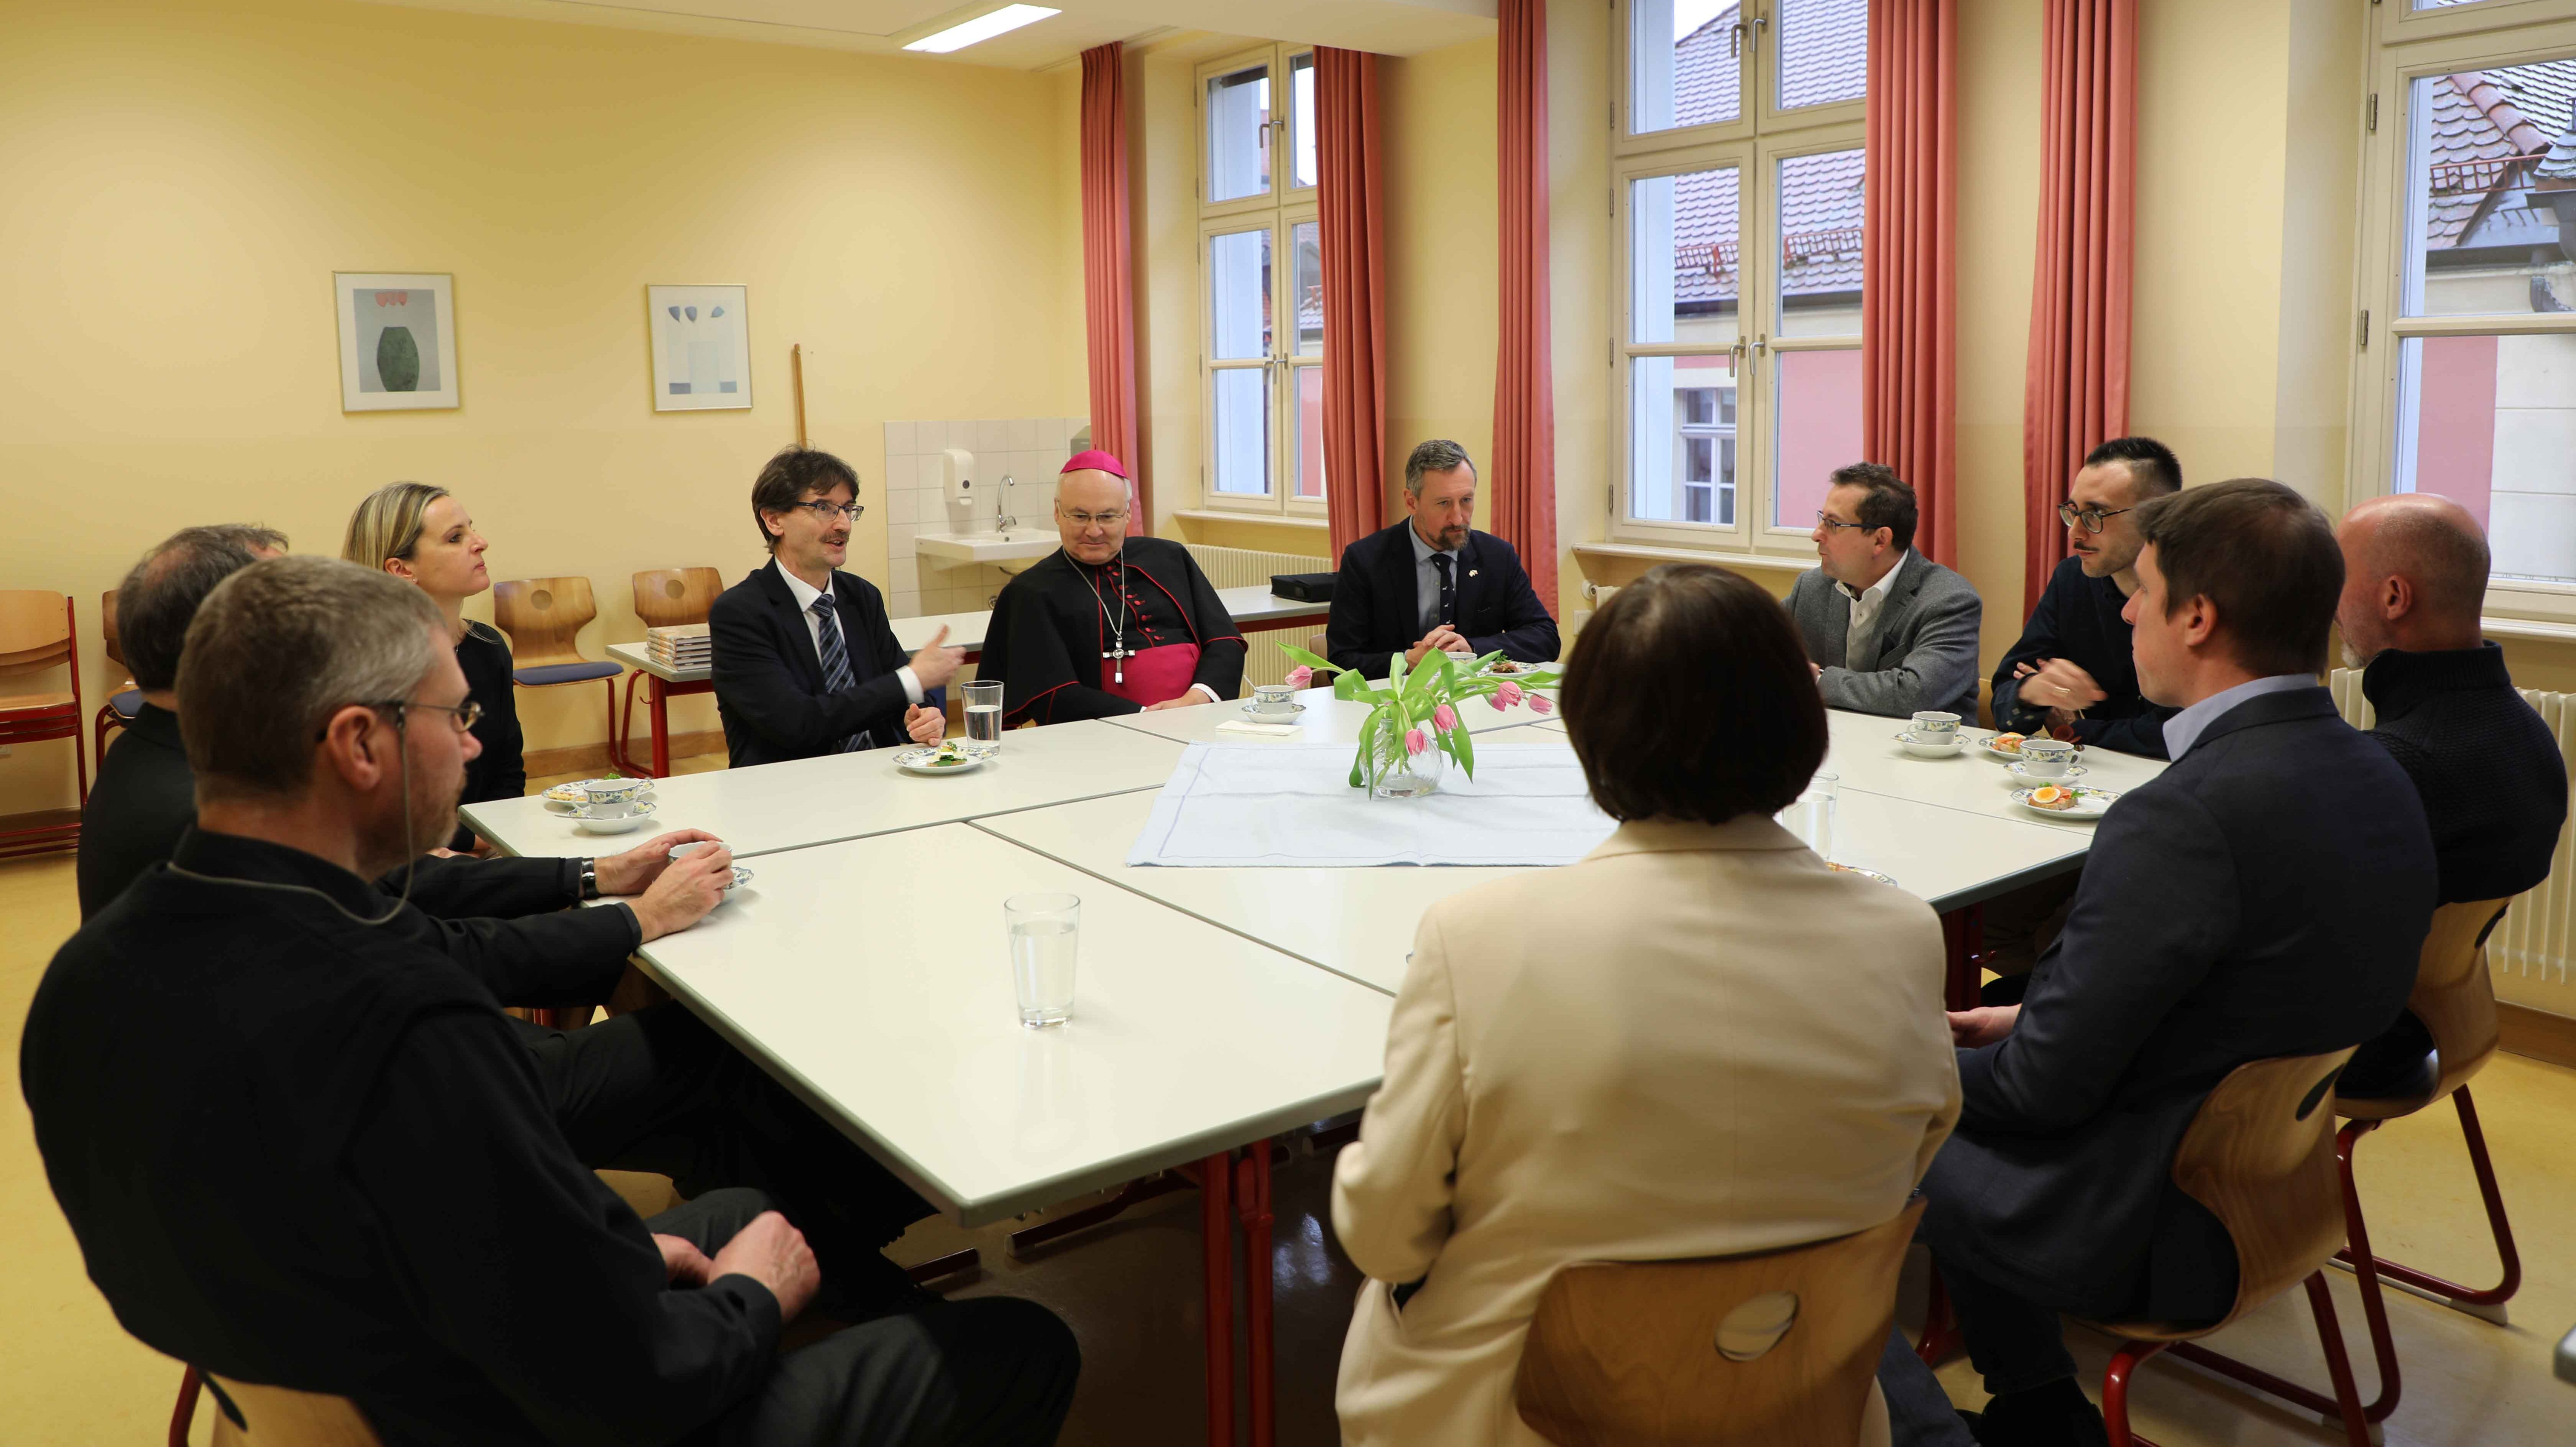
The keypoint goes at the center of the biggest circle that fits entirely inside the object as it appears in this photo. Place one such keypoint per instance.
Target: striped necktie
(836, 664)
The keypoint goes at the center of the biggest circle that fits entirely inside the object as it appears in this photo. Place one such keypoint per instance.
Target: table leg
(1216, 1230)
(1253, 1206)
(661, 706)
(1963, 941)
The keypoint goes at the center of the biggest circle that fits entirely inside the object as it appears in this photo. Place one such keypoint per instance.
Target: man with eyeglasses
(1108, 624)
(1888, 631)
(2070, 676)
(805, 662)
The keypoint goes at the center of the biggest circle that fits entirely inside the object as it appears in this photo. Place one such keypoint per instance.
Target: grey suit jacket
(1924, 655)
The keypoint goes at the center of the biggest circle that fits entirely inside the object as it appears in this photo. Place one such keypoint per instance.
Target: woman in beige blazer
(1699, 1040)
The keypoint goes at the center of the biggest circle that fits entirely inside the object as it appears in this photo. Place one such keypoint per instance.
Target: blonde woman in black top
(423, 535)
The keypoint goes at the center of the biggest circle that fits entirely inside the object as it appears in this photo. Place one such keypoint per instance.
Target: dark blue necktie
(836, 664)
(1448, 590)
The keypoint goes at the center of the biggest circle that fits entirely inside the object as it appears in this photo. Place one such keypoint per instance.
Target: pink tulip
(1541, 704)
(1444, 718)
(1505, 695)
(1300, 676)
(1415, 741)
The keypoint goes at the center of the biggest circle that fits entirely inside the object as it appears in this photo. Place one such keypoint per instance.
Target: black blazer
(1377, 610)
(769, 684)
(2265, 896)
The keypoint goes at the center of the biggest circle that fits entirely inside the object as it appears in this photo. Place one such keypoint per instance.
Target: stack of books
(686, 646)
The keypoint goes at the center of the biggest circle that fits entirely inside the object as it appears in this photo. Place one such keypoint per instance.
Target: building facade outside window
(1738, 162)
(2466, 378)
(1261, 339)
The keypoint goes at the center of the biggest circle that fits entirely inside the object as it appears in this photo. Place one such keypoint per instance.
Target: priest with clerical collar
(1108, 624)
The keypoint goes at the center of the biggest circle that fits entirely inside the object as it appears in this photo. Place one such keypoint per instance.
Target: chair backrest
(2454, 996)
(2260, 1156)
(1769, 1349)
(107, 627)
(284, 1417)
(676, 597)
(35, 631)
(542, 617)
(1315, 645)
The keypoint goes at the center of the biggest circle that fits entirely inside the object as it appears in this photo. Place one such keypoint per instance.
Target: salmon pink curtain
(1108, 280)
(1521, 480)
(2077, 392)
(1909, 310)
(1351, 212)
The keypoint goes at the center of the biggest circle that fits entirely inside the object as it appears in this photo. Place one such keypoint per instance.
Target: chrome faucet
(1006, 522)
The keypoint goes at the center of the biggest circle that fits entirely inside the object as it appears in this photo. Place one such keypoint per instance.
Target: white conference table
(1327, 720)
(760, 811)
(1359, 923)
(873, 976)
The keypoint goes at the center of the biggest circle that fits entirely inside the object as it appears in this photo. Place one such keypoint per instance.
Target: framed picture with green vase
(397, 340)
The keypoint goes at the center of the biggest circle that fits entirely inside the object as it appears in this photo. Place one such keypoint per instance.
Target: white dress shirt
(805, 593)
(1426, 581)
(1865, 606)
(2184, 729)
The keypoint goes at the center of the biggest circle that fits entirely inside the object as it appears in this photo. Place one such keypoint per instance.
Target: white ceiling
(1389, 27)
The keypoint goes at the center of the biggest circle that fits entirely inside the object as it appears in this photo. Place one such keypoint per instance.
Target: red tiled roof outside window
(1820, 201)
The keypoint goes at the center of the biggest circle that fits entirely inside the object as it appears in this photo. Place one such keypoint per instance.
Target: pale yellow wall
(1579, 242)
(1163, 175)
(1437, 154)
(182, 180)
(1998, 90)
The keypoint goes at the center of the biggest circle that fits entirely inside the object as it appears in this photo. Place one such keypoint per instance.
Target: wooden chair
(2259, 1156)
(119, 709)
(271, 1417)
(38, 634)
(1315, 645)
(667, 598)
(1767, 1349)
(543, 617)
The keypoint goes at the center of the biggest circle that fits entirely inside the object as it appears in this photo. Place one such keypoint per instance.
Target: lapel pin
(1471, 572)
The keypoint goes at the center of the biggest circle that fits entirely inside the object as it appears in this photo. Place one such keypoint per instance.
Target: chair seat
(125, 704)
(2403, 1092)
(552, 673)
(34, 704)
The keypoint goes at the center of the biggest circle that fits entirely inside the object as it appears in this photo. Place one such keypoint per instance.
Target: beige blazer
(1696, 1041)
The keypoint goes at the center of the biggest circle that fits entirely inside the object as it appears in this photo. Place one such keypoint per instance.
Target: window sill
(2528, 629)
(1655, 552)
(1258, 519)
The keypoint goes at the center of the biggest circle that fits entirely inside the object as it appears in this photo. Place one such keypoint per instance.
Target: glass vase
(1407, 776)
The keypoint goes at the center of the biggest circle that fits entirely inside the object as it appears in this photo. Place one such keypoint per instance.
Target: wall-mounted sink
(951, 550)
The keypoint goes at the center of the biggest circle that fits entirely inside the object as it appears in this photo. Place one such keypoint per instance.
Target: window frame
(2404, 49)
(1283, 208)
(1755, 143)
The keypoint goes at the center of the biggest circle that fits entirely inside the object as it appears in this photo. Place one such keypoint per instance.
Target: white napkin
(1247, 726)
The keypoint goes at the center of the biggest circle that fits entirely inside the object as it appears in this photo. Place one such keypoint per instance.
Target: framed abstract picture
(397, 340)
(701, 339)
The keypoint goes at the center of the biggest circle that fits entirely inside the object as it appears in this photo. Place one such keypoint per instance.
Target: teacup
(611, 798)
(2046, 758)
(1273, 698)
(1931, 726)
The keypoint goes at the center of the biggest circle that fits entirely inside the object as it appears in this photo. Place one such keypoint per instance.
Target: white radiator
(2530, 952)
(1245, 568)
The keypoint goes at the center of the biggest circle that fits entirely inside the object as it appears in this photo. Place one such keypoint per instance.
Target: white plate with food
(622, 824)
(2066, 802)
(2019, 770)
(948, 758)
(568, 798)
(1512, 668)
(2004, 748)
(1945, 747)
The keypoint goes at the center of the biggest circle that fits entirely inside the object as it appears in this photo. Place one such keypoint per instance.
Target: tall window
(1738, 164)
(1261, 257)
(2466, 381)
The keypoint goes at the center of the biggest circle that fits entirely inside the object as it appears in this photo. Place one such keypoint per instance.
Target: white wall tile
(1024, 434)
(930, 472)
(903, 573)
(899, 537)
(903, 605)
(929, 436)
(903, 505)
(2535, 448)
(993, 434)
(2533, 534)
(898, 439)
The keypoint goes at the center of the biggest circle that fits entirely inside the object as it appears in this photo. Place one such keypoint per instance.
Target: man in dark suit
(1434, 582)
(2492, 780)
(805, 662)
(2265, 896)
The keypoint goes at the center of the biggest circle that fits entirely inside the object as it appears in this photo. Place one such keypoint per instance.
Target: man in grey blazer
(2265, 896)
(1888, 630)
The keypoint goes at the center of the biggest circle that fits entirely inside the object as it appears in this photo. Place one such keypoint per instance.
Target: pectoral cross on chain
(1118, 657)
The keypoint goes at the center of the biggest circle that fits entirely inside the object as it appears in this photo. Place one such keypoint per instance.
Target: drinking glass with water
(1811, 818)
(984, 718)
(1046, 935)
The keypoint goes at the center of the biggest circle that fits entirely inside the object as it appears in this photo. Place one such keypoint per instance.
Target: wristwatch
(590, 879)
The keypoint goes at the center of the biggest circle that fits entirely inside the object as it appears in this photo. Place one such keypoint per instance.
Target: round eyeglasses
(2092, 517)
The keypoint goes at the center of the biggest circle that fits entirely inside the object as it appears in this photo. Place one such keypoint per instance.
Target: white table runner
(1292, 806)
